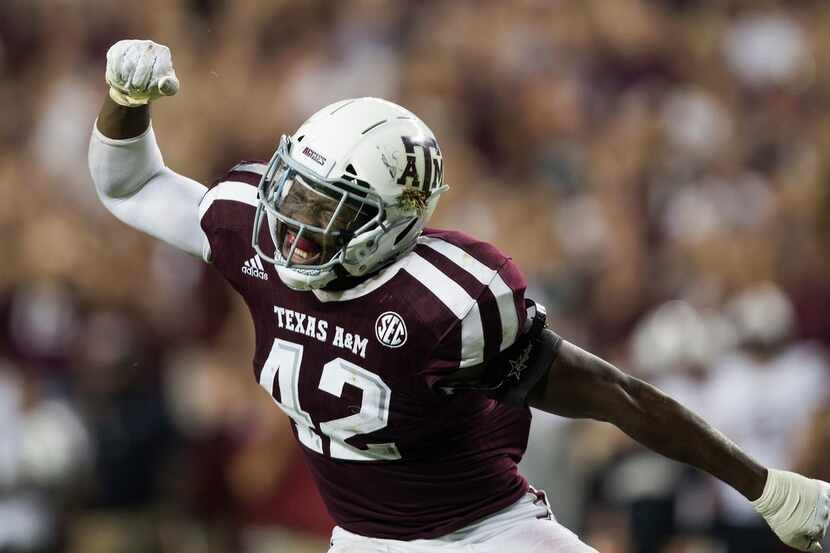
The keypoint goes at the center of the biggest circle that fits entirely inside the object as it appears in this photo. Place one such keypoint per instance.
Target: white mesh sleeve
(133, 183)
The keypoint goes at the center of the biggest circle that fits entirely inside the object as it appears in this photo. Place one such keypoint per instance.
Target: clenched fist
(140, 71)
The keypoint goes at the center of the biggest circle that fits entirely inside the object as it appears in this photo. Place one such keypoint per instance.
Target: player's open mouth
(306, 252)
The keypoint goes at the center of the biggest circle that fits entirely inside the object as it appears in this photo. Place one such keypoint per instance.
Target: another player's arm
(125, 162)
(581, 385)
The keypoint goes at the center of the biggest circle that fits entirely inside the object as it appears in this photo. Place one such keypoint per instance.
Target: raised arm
(581, 385)
(125, 162)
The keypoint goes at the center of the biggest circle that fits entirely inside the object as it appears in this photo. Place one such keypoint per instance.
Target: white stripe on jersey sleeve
(228, 190)
(485, 275)
(472, 338)
(258, 262)
(507, 311)
(479, 270)
(457, 300)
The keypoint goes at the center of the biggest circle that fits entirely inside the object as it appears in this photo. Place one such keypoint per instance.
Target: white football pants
(527, 526)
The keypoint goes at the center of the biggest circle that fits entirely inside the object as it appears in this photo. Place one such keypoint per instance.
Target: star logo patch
(518, 366)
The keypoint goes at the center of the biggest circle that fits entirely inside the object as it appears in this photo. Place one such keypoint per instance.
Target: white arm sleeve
(134, 184)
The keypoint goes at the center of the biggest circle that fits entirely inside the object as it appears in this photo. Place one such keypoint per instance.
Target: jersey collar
(366, 287)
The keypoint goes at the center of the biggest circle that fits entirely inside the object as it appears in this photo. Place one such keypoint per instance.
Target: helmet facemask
(310, 218)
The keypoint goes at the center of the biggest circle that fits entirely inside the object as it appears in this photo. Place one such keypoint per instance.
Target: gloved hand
(796, 508)
(139, 72)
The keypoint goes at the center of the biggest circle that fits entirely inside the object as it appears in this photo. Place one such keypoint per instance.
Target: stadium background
(658, 169)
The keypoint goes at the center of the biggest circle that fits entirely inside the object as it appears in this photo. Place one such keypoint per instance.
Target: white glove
(796, 508)
(140, 71)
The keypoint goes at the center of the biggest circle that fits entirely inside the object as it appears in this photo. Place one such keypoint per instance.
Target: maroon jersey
(356, 371)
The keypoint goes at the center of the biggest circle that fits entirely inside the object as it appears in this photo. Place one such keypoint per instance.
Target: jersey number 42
(283, 366)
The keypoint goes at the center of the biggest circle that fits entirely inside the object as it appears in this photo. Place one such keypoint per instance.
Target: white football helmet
(348, 193)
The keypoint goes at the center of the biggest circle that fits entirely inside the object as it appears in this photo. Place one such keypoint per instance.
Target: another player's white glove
(140, 71)
(796, 508)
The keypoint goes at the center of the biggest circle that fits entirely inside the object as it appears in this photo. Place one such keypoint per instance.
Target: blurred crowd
(658, 169)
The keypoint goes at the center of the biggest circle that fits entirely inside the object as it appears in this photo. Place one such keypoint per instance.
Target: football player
(405, 357)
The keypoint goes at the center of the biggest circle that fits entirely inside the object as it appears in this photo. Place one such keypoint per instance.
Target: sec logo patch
(390, 330)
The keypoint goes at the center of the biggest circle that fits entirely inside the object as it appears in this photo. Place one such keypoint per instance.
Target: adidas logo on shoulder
(253, 267)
